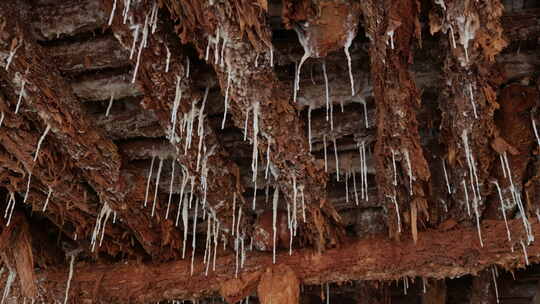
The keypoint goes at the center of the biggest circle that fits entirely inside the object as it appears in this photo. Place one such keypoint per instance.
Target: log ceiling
(168, 150)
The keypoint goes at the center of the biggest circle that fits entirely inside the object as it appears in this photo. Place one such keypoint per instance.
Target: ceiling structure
(285, 150)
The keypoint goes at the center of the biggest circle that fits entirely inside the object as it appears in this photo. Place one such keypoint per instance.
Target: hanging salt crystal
(309, 128)
(110, 105)
(148, 180)
(170, 189)
(47, 200)
(70, 276)
(327, 89)
(325, 156)
(27, 187)
(111, 17)
(446, 177)
(157, 186)
(21, 95)
(346, 47)
(337, 158)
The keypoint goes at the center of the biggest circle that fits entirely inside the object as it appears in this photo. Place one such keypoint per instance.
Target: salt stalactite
(325, 156)
(327, 89)
(346, 48)
(466, 33)
(331, 117)
(154, 17)
(394, 200)
(156, 190)
(471, 96)
(170, 189)
(364, 159)
(12, 53)
(125, 13)
(525, 253)
(225, 41)
(216, 47)
(47, 200)
(337, 158)
(405, 285)
(200, 127)
(135, 39)
(142, 45)
(503, 209)
(70, 276)
(532, 120)
(111, 17)
(294, 221)
(301, 188)
(254, 205)
(409, 170)
(167, 60)
(466, 197)
(272, 56)
(424, 283)
(267, 169)
(327, 293)
(149, 179)
(446, 176)
(105, 212)
(216, 234)
(233, 213)
(364, 103)
(307, 54)
(394, 167)
(346, 186)
(391, 36)
(40, 141)
(208, 237)
(187, 67)
(1, 118)
(22, 93)
(110, 105)
(27, 187)
(226, 98)
(472, 166)
(477, 215)
(354, 187)
(9, 212)
(185, 178)
(309, 128)
(494, 276)
(246, 124)
(194, 241)
(185, 222)
(10, 279)
(255, 154)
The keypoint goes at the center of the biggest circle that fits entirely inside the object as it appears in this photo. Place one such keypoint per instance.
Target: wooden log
(435, 255)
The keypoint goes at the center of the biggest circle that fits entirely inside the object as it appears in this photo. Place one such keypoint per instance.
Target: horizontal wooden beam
(435, 255)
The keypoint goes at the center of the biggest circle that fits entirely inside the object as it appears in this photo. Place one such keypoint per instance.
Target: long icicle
(149, 179)
(40, 141)
(156, 190)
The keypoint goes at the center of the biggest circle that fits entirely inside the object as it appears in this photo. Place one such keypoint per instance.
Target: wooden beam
(435, 255)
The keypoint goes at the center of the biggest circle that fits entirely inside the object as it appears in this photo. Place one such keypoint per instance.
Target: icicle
(157, 186)
(495, 283)
(267, 160)
(301, 187)
(226, 98)
(525, 253)
(446, 177)
(10, 279)
(393, 199)
(40, 141)
(391, 36)
(309, 128)
(325, 157)
(327, 89)
(409, 171)
(148, 180)
(70, 276)
(394, 167)
(11, 55)
(170, 189)
(337, 158)
(168, 60)
(354, 187)
(135, 39)
(47, 200)
(255, 154)
(141, 47)
(187, 67)
(348, 43)
(125, 13)
(472, 101)
(110, 105)
(1, 118)
(365, 113)
(475, 207)
(306, 55)
(502, 209)
(532, 119)
(111, 18)
(466, 197)
(193, 243)
(27, 187)
(21, 94)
